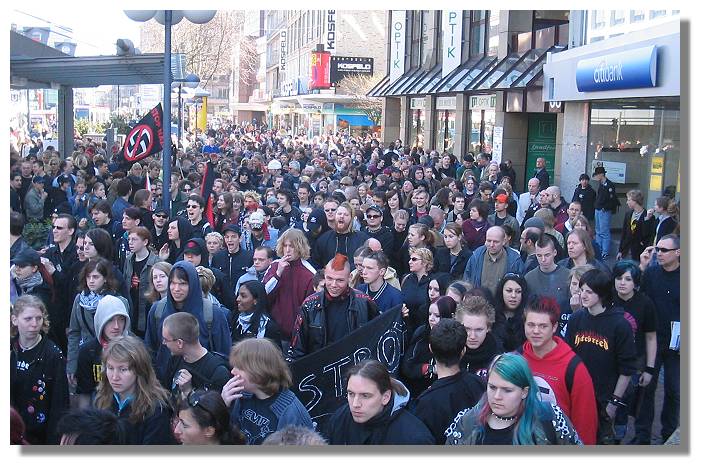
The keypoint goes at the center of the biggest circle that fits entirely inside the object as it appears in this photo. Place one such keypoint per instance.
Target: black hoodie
(221, 290)
(477, 361)
(185, 231)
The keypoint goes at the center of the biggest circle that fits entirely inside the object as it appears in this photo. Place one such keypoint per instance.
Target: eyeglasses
(373, 216)
(165, 340)
(664, 250)
(194, 400)
(330, 210)
(56, 227)
(414, 259)
(161, 216)
(193, 207)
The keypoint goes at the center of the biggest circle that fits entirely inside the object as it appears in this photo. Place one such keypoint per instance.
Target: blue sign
(631, 69)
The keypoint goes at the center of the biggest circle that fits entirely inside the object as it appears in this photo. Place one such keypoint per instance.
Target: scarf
(89, 300)
(244, 320)
(26, 285)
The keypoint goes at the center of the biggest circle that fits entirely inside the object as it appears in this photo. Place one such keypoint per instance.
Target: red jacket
(286, 294)
(579, 404)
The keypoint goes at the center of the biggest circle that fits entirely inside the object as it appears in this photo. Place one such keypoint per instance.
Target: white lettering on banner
(452, 37)
(397, 45)
(497, 136)
(331, 30)
(362, 67)
(282, 50)
(446, 102)
(608, 73)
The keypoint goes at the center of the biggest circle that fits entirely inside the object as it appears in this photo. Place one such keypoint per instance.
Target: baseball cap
(272, 200)
(161, 210)
(274, 165)
(502, 198)
(27, 257)
(192, 247)
(232, 228)
(38, 179)
(374, 208)
(315, 219)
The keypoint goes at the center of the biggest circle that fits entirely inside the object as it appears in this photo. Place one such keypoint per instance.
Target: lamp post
(168, 18)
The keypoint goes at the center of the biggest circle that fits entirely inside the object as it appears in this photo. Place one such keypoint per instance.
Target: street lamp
(189, 81)
(169, 18)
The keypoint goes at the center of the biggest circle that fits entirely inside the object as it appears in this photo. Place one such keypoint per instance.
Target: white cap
(274, 165)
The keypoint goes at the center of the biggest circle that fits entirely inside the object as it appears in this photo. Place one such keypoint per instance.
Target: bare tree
(208, 47)
(358, 86)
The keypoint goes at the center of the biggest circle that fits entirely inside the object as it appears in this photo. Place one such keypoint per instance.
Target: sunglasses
(161, 216)
(664, 250)
(194, 400)
(373, 216)
(193, 207)
(414, 259)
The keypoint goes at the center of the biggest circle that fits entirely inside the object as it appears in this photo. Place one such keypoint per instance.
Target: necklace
(507, 419)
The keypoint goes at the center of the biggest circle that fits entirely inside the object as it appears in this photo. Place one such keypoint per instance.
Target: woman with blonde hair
(414, 286)
(289, 280)
(38, 384)
(158, 282)
(129, 388)
(261, 387)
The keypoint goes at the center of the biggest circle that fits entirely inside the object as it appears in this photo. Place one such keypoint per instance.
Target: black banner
(341, 67)
(319, 377)
(145, 139)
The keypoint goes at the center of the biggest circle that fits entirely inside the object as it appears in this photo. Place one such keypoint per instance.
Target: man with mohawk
(330, 315)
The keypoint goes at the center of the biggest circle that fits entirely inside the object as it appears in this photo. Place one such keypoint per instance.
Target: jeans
(602, 231)
(670, 414)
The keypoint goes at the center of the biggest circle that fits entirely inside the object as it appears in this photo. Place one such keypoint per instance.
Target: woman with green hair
(511, 412)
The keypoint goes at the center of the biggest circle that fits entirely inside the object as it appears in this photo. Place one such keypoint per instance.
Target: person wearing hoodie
(289, 280)
(477, 316)
(561, 375)
(95, 282)
(454, 390)
(342, 239)
(185, 295)
(111, 321)
(196, 253)
(603, 338)
(376, 412)
(178, 232)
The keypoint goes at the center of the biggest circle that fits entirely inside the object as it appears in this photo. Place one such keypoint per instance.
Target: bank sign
(631, 69)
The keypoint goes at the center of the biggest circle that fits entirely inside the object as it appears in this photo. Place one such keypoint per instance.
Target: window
(438, 42)
(415, 38)
(474, 33)
(617, 17)
(656, 13)
(493, 43)
(598, 19)
(426, 38)
(637, 15)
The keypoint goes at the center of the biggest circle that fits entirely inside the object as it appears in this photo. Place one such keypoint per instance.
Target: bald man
(528, 199)
(330, 315)
(558, 205)
(489, 263)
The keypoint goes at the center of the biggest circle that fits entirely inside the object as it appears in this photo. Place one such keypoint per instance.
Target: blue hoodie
(194, 305)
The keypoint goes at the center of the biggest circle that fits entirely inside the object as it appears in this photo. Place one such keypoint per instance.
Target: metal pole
(178, 142)
(166, 124)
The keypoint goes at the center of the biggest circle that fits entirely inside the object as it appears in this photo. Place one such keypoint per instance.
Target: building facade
(469, 81)
(292, 38)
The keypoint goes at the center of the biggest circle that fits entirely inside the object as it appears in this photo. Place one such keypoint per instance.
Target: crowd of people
(135, 322)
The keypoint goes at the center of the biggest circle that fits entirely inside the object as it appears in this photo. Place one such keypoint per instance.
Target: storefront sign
(282, 50)
(331, 31)
(397, 47)
(541, 143)
(289, 88)
(417, 103)
(631, 69)
(341, 67)
(497, 137)
(479, 102)
(320, 70)
(311, 107)
(452, 25)
(616, 171)
(445, 102)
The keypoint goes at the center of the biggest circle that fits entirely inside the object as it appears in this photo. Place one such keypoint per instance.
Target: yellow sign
(657, 165)
(656, 183)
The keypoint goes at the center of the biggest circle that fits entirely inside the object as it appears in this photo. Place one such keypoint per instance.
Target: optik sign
(624, 70)
(397, 45)
(452, 37)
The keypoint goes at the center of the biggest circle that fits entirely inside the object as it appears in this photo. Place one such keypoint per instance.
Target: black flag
(145, 139)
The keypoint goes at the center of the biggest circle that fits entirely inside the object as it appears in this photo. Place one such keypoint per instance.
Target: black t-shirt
(89, 367)
(642, 309)
(498, 437)
(337, 319)
(209, 372)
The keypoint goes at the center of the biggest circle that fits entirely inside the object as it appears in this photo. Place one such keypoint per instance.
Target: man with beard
(341, 239)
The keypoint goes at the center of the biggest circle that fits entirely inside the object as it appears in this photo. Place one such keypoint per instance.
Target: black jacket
(607, 197)
(444, 399)
(634, 242)
(332, 242)
(232, 265)
(385, 237)
(393, 425)
(586, 197)
(455, 269)
(310, 333)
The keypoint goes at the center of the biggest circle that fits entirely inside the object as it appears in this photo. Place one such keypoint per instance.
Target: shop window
(637, 15)
(493, 43)
(617, 17)
(416, 127)
(643, 136)
(657, 13)
(598, 19)
(445, 131)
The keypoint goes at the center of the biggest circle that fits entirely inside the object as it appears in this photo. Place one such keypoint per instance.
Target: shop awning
(402, 82)
(516, 72)
(357, 120)
(466, 74)
(421, 83)
(382, 84)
